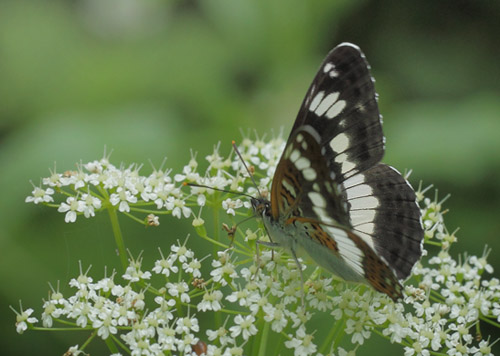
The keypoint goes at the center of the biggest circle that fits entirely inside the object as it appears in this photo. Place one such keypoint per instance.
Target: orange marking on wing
(377, 272)
(316, 232)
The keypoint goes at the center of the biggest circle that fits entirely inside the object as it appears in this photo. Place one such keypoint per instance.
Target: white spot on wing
(322, 215)
(336, 109)
(299, 138)
(360, 190)
(309, 174)
(346, 165)
(359, 217)
(289, 187)
(367, 228)
(317, 99)
(354, 180)
(295, 155)
(317, 199)
(369, 202)
(302, 163)
(327, 67)
(326, 103)
(333, 73)
(339, 143)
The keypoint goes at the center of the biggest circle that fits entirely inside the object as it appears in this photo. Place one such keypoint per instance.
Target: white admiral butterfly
(331, 196)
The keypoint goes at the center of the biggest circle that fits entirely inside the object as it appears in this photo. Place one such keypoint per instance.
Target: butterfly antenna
(217, 189)
(246, 167)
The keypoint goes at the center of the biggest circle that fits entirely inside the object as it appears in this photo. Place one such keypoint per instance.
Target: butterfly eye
(261, 206)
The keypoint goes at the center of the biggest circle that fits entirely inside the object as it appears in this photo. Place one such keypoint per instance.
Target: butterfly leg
(264, 243)
(268, 244)
(299, 266)
(297, 262)
(230, 233)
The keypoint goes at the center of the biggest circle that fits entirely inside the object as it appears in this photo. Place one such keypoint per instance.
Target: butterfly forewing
(341, 104)
(302, 185)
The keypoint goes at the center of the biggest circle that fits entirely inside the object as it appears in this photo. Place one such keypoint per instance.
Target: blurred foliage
(155, 78)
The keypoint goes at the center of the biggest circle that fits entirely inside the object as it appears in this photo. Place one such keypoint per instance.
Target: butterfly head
(261, 207)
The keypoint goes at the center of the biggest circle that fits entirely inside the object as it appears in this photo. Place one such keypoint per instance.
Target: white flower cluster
(98, 184)
(452, 297)
(262, 294)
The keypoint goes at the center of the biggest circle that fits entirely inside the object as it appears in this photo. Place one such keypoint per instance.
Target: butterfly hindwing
(383, 211)
(305, 195)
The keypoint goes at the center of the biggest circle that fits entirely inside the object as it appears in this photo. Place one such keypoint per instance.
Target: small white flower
(301, 343)
(75, 351)
(165, 266)
(244, 297)
(211, 301)
(40, 195)
(484, 349)
(230, 205)
(179, 290)
(223, 268)
(23, 319)
(54, 180)
(89, 204)
(106, 323)
(71, 208)
(244, 326)
(221, 334)
(182, 253)
(134, 273)
(193, 267)
(186, 325)
(275, 315)
(122, 197)
(177, 206)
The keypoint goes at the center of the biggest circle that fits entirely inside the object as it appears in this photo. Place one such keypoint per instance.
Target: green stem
(119, 343)
(433, 243)
(111, 344)
(217, 227)
(115, 225)
(134, 218)
(263, 339)
(489, 321)
(149, 211)
(339, 333)
(331, 335)
(38, 328)
(87, 342)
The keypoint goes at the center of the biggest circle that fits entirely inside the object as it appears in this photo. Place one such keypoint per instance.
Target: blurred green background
(154, 78)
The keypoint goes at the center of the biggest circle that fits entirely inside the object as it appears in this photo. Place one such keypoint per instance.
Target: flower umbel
(155, 307)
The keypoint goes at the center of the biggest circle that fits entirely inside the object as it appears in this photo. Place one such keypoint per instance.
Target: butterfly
(331, 196)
